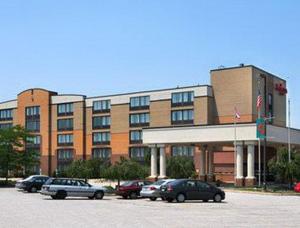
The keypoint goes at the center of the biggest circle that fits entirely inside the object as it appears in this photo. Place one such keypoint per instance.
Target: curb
(262, 193)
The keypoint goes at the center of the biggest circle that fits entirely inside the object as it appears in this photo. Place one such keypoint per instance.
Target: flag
(237, 114)
(259, 101)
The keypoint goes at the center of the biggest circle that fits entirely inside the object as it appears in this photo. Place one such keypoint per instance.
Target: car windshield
(29, 178)
(160, 182)
(128, 183)
(49, 181)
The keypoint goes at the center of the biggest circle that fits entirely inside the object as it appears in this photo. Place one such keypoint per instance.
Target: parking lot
(19, 209)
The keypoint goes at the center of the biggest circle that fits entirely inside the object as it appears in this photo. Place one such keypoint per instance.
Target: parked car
(152, 191)
(131, 189)
(186, 189)
(297, 187)
(60, 188)
(32, 183)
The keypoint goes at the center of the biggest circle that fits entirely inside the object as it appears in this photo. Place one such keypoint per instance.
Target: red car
(297, 187)
(131, 189)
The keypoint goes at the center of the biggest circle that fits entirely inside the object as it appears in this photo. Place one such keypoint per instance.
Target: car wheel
(61, 195)
(33, 189)
(218, 198)
(153, 198)
(99, 195)
(180, 198)
(133, 195)
(125, 197)
(163, 198)
(170, 200)
(54, 197)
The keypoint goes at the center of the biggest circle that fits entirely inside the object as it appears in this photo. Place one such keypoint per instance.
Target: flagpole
(259, 157)
(235, 117)
(234, 146)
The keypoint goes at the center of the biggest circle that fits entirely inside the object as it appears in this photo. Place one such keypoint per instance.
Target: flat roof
(244, 66)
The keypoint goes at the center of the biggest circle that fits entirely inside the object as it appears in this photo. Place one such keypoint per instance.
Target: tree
(97, 167)
(284, 170)
(180, 167)
(12, 150)
(94, 168)
(78, 169)
(126, 169)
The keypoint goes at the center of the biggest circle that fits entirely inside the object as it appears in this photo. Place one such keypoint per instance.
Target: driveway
(19, 209)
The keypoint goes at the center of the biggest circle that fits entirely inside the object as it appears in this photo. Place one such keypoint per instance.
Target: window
(203, 185)
(32, 118)
(65, 124)
(101, 122)
(183, 98)
(183, 151)
(65, 109)
(270, 107)
(6, 114)
(33, 141)
(6, 125)
(33, 111)
(101, 106)
(138, 153)
(65, 140)
(33, 125)
(191, 184)
(136, 136)
(139, 119)
(102, 153)
(64, 159)
(183, 116)
(142, 102)
(101, 138)
(65, 154)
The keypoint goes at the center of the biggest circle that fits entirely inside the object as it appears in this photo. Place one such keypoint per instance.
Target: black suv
(186, 189)
(32, 183)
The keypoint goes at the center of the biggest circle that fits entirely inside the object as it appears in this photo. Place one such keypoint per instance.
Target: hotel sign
(281, 89)
(260, 128)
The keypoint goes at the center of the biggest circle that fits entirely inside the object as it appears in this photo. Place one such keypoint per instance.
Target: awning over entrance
(217, 133)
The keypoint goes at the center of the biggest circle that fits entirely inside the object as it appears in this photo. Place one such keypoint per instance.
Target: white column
(239, 160)
(162, 162)
(202, 161)
(153, 162)
(250, 160)
(210, 162)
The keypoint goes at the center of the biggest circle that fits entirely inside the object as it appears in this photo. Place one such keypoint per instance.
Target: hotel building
(196, 121)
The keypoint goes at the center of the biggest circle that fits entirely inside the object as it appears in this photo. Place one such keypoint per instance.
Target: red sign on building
(281, 89)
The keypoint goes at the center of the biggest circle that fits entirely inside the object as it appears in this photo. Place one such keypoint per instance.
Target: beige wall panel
(160, 113)
(119, 118)
(232, 87)
(200, 110)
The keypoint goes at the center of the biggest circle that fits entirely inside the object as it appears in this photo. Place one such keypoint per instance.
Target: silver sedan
(152, 191)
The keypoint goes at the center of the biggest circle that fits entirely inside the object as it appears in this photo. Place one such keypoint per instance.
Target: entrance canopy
(217, 133)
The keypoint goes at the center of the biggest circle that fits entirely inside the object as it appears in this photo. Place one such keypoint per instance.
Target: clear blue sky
(105, 47)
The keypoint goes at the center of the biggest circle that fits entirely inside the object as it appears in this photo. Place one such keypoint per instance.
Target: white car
(60, 188)
(153, 191)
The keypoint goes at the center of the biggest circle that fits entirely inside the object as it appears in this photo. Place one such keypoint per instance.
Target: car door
(78, 188)
(204, 191)
(38, 182)
(191, 190)
(85, 189)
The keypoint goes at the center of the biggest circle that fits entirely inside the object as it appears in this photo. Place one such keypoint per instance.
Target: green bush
(285, 171)
(180, 167)
(127, 169)
(86, 169)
